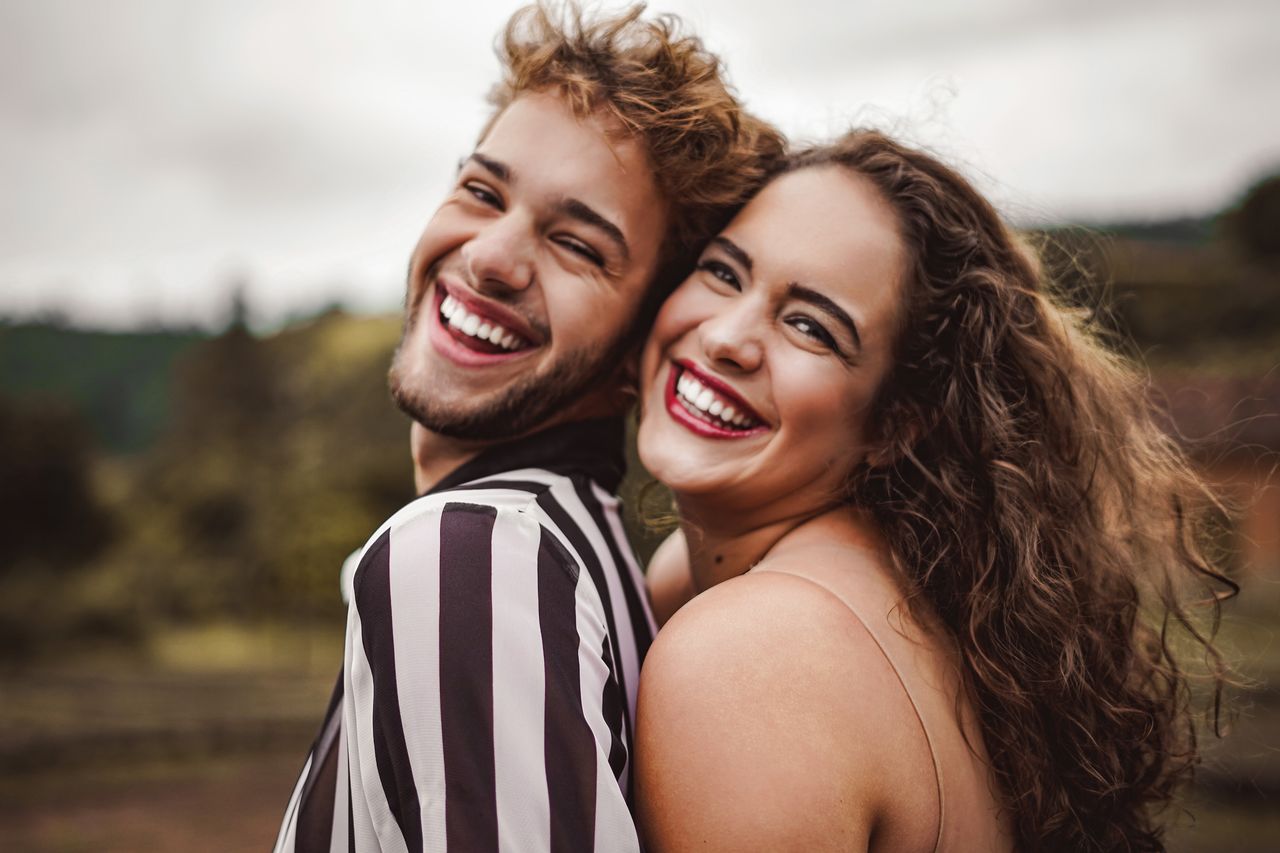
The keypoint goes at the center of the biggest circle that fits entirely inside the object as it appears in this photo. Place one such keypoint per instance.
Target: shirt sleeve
(347, 574)
(478, 678)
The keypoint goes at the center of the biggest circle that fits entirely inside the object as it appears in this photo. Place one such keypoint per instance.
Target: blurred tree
(238, 318)
(1255, 223)
(282, 455)
(49, 514)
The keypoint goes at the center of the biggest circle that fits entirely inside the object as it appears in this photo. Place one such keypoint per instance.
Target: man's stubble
(528, 402)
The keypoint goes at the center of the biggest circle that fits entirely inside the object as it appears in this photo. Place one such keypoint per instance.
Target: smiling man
(497, 623)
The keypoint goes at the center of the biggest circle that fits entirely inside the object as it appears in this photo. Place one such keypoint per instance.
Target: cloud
(152, 150)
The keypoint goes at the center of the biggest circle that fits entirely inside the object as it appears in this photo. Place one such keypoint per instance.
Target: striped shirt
(494, 639)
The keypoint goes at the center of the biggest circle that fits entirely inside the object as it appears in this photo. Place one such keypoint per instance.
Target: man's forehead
(540, 146)
(539, 136)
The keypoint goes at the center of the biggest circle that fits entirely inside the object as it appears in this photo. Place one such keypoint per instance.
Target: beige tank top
(970, 816)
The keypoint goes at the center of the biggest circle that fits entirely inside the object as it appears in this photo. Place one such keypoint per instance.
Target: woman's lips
(708, 407)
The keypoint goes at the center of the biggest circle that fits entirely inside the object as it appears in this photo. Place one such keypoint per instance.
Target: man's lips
(472, 332)
(486, 312)
(708, 406)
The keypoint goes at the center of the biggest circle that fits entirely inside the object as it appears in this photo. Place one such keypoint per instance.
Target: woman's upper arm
(752, 733)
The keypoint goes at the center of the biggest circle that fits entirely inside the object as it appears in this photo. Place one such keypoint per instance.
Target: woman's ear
(888, 450)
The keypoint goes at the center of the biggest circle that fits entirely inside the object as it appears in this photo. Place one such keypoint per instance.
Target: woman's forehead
(825, 226)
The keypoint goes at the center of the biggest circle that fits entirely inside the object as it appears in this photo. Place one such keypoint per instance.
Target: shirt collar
(592, 448)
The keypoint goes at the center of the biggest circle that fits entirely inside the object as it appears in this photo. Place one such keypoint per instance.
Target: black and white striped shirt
(494, 640)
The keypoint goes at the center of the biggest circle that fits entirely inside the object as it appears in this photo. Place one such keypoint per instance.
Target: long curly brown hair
(1034, 502)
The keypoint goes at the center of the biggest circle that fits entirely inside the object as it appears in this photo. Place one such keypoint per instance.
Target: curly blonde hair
(1034, 503)
(665, 89)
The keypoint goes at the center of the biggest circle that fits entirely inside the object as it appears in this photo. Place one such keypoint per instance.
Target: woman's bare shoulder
(767, 698)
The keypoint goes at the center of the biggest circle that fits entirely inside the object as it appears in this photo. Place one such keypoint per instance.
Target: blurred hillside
(118, 383)
(1199, 293)
(266, 460)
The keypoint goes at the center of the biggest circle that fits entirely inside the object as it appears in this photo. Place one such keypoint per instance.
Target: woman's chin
(685, 478)
(683, 462)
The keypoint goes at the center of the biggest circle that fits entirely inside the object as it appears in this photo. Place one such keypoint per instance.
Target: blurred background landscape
(206, 213)
(176, 505)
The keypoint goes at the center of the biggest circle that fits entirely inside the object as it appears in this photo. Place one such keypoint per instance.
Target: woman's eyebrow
(733, 250)
(826, 306)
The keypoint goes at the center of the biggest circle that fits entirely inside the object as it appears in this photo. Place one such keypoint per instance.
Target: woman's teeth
(700, 399)
(452, 312)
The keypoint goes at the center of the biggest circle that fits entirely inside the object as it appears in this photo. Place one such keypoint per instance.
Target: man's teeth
(696, 395)
(471, 324)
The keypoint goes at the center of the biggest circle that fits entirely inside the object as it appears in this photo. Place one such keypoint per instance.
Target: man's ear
(629, 374)
(621, 390)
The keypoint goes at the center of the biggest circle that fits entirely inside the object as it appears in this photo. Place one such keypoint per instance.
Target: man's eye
(811, 328)
(579, 248)
(483, 194)
(722, 272)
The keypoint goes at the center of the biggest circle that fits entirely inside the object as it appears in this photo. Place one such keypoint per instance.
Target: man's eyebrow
(498, 169)
(734, 250)
(575, 209)
(826, 306)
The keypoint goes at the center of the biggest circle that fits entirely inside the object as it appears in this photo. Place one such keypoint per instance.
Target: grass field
(194, 745)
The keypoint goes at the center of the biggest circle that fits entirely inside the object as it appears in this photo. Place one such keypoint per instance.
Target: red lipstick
(700, 422)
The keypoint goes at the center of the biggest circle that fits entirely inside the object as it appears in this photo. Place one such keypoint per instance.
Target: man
(497, 623)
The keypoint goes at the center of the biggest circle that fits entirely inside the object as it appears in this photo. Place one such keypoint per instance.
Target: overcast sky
(153, 152)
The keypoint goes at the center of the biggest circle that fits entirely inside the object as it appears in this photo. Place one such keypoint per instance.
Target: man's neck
(435, 456)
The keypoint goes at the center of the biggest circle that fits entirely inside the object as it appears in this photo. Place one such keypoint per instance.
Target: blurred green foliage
(118, 381)
(278, 457)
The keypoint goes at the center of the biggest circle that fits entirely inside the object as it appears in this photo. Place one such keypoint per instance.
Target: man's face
(525, 283)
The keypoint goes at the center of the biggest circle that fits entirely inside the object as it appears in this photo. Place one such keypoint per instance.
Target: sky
(155, 155)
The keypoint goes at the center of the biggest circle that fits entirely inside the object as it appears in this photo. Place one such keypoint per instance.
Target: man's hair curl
(663, 88)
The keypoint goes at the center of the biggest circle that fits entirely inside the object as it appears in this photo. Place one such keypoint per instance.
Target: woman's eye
(811, 328)
(482, 194)
(722, 272)
(579, 248)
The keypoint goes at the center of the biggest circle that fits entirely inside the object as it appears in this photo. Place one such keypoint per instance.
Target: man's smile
(488, 334)
(474, 332)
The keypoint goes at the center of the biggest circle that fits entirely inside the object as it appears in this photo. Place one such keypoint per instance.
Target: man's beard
(522, 406)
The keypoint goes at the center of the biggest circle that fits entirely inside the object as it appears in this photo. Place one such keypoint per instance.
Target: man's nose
(500, 255)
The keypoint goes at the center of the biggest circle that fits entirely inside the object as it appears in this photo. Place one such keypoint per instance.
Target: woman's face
(761, 367)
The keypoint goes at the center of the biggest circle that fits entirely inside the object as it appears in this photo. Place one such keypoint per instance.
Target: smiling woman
(767, 324)
(930, 538)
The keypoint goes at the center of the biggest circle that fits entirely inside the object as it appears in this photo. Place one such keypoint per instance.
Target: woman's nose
(731, 341)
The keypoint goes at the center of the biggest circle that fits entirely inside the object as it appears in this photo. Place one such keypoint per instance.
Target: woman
(925, 520)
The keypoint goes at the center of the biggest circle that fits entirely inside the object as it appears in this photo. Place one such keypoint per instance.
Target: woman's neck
(720, 548)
